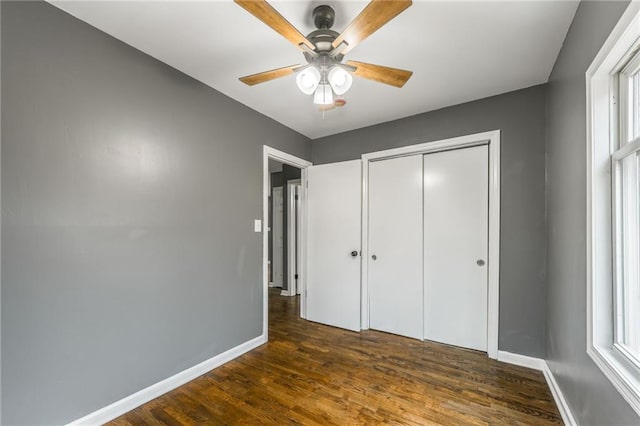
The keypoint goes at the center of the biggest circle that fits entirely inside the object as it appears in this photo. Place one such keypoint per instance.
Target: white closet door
(395, 246)
(333, 240)
(456, 204)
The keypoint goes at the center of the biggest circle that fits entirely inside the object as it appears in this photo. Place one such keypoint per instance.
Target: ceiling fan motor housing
(323, 37)
(323, 17)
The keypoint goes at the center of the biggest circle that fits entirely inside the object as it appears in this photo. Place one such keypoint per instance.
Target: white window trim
(602, 128)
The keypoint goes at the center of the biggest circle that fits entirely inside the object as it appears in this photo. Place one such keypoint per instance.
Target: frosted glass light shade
(340, 80)
(323, 95)
(308, 80)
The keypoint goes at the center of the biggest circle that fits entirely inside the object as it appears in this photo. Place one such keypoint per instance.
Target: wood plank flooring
(312, 374)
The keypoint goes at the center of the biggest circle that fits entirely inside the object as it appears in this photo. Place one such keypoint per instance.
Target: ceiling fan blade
(372, 18)
(262, 77)
(267, 14)
(391, 76)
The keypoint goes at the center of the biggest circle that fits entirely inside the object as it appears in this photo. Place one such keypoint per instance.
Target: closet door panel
(395, 246)
(456, 208)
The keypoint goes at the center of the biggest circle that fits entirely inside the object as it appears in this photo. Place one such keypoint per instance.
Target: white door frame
(283, 157)
(292, 248)
(492, 139)
(300, 244)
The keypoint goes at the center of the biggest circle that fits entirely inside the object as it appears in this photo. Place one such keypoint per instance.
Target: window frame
(603, 237)
(625, 146)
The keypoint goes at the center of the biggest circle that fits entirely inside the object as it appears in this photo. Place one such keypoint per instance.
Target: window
(625, 162)
(613, 207)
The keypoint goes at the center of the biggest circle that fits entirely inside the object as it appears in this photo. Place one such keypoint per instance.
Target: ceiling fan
(325, 75)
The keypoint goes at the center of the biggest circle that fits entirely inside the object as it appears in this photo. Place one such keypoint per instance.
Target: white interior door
(333, 235)
(278, 237)
(456, 204)
(395, 246)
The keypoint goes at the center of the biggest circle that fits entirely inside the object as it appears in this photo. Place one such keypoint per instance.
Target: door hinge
(296, 198)
(295, 276)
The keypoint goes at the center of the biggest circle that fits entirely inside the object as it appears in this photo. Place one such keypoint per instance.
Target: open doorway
(284, 227)
(284, 232)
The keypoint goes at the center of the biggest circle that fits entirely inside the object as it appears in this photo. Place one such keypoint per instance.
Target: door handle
(354, 253)
(374, 257)
(480, 262)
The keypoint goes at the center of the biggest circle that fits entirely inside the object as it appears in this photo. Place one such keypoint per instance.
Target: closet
(428, 246)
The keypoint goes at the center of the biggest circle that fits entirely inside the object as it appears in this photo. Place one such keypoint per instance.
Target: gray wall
(127, 254)
(520, 116)
(592, 398)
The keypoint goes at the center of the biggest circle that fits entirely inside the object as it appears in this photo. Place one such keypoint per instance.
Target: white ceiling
(458, 51)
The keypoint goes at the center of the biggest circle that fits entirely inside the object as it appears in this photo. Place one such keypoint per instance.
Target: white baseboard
(522, 360)
(540, 364)
(286, 293)
(271, 284)
(130, 402)
(558, 396)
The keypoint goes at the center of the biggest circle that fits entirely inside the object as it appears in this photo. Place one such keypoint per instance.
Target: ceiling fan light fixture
(323, 95)
(308, 80)
(340, 80)
(325, 75)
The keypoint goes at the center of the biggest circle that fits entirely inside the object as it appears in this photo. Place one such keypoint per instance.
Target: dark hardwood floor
(318, 375)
